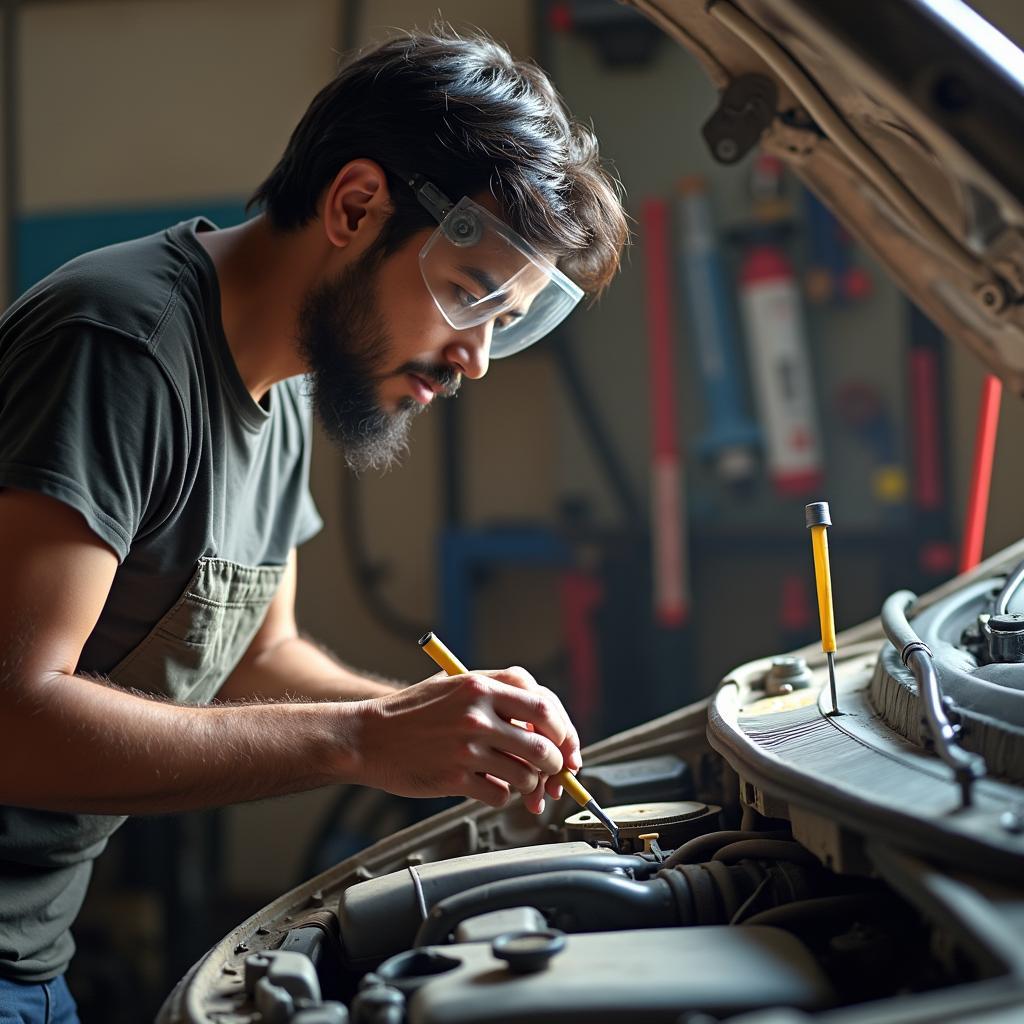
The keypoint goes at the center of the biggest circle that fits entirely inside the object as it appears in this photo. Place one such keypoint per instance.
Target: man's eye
(463, 297)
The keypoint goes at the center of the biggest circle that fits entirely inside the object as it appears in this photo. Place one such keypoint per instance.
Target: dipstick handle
(443, 658)
(818, 520)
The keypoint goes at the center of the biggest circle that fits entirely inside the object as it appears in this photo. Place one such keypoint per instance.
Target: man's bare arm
(281, 664)
(74, 744)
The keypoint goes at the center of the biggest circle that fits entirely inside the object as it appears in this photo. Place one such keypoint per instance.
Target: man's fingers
(540, 753)
(534, 800)
(519, 776)
(521, 679)
(485, 788)
(533, 707)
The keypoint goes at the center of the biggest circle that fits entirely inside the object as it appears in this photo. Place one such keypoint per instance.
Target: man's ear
(355, 204)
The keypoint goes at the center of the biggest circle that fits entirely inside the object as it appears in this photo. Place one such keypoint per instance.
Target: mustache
(447, 379)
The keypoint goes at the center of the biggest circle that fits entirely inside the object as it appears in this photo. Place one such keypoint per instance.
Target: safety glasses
(478, 269)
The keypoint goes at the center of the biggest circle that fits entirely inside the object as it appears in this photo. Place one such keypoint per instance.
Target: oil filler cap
(528, 952)
(1005, 634)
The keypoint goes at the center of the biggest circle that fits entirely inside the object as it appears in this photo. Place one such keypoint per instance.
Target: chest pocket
(191, 651)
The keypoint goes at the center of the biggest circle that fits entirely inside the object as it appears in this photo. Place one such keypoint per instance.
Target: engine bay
(777, 860)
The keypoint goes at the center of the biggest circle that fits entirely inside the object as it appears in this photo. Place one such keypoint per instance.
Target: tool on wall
(730, 437)
(831, 277)
(926, 398)
(981, 472)
(862, 408)
(668, 509)
(780, 361)
(776, 340)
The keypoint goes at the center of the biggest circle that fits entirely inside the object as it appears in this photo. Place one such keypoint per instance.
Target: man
(154, 449)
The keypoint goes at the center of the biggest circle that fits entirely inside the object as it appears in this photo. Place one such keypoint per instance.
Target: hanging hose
(1010, 587)
(914, 653)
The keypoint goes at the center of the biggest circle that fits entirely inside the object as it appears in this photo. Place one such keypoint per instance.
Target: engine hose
(596, 902)
(767, 849)
(825, 909)
(1010, 587)
(575, 901)
(914, 653)
(704, 847)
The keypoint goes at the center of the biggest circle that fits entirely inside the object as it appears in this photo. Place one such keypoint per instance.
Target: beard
(342, 337)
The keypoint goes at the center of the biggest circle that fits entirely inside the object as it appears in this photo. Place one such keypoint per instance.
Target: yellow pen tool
(447, 661)
(818, 520)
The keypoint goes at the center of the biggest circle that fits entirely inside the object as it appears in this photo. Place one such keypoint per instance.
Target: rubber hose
(822, 908)
(703, 848)
(767, 849)
(597, 902)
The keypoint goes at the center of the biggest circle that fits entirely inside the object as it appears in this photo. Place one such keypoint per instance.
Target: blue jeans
(41, 1002)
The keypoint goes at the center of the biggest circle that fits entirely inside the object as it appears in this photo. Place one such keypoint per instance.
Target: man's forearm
(297, 667)
(73, 744)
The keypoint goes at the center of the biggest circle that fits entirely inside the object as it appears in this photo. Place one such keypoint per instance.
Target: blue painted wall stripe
(45, 241)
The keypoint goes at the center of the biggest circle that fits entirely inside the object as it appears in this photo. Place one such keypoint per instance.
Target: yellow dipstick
(818, 519)
(444, 659)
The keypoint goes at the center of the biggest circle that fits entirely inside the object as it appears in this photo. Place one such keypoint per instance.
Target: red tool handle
(668, 512)
(981, 472)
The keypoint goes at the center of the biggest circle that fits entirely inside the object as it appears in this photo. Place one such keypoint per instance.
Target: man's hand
(453, 736)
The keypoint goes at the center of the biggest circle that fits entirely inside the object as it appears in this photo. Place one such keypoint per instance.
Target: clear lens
(485, 271)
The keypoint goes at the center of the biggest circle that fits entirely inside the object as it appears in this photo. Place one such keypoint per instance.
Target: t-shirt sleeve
(88, 417)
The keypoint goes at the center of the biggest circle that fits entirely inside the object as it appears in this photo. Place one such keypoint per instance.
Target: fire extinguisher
(779, 359)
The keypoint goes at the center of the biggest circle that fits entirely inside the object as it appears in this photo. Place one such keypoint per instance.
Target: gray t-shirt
(119, 396)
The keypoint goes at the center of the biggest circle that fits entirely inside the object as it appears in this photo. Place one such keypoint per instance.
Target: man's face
(378, 353)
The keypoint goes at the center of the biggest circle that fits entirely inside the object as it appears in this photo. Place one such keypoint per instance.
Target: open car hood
(906, 118)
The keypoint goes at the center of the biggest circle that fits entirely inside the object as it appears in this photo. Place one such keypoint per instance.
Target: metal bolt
(1011, 821)
(726, 149)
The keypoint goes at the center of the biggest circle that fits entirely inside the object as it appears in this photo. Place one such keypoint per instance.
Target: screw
(1011, 822)
(726, 149)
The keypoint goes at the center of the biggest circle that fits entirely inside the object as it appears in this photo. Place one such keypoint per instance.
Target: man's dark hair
(459, 111)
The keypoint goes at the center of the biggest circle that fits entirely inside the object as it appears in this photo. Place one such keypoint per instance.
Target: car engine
(779, 862)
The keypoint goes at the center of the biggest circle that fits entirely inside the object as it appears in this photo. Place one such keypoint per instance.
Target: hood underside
(906, 118)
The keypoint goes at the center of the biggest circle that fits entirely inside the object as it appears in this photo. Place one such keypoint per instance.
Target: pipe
(914, 653)
(766, 849)
(823, 908)
(704, 847)
(597, 902)
(1010, 587)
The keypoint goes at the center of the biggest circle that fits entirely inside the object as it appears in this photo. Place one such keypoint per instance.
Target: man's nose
(470, 350)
